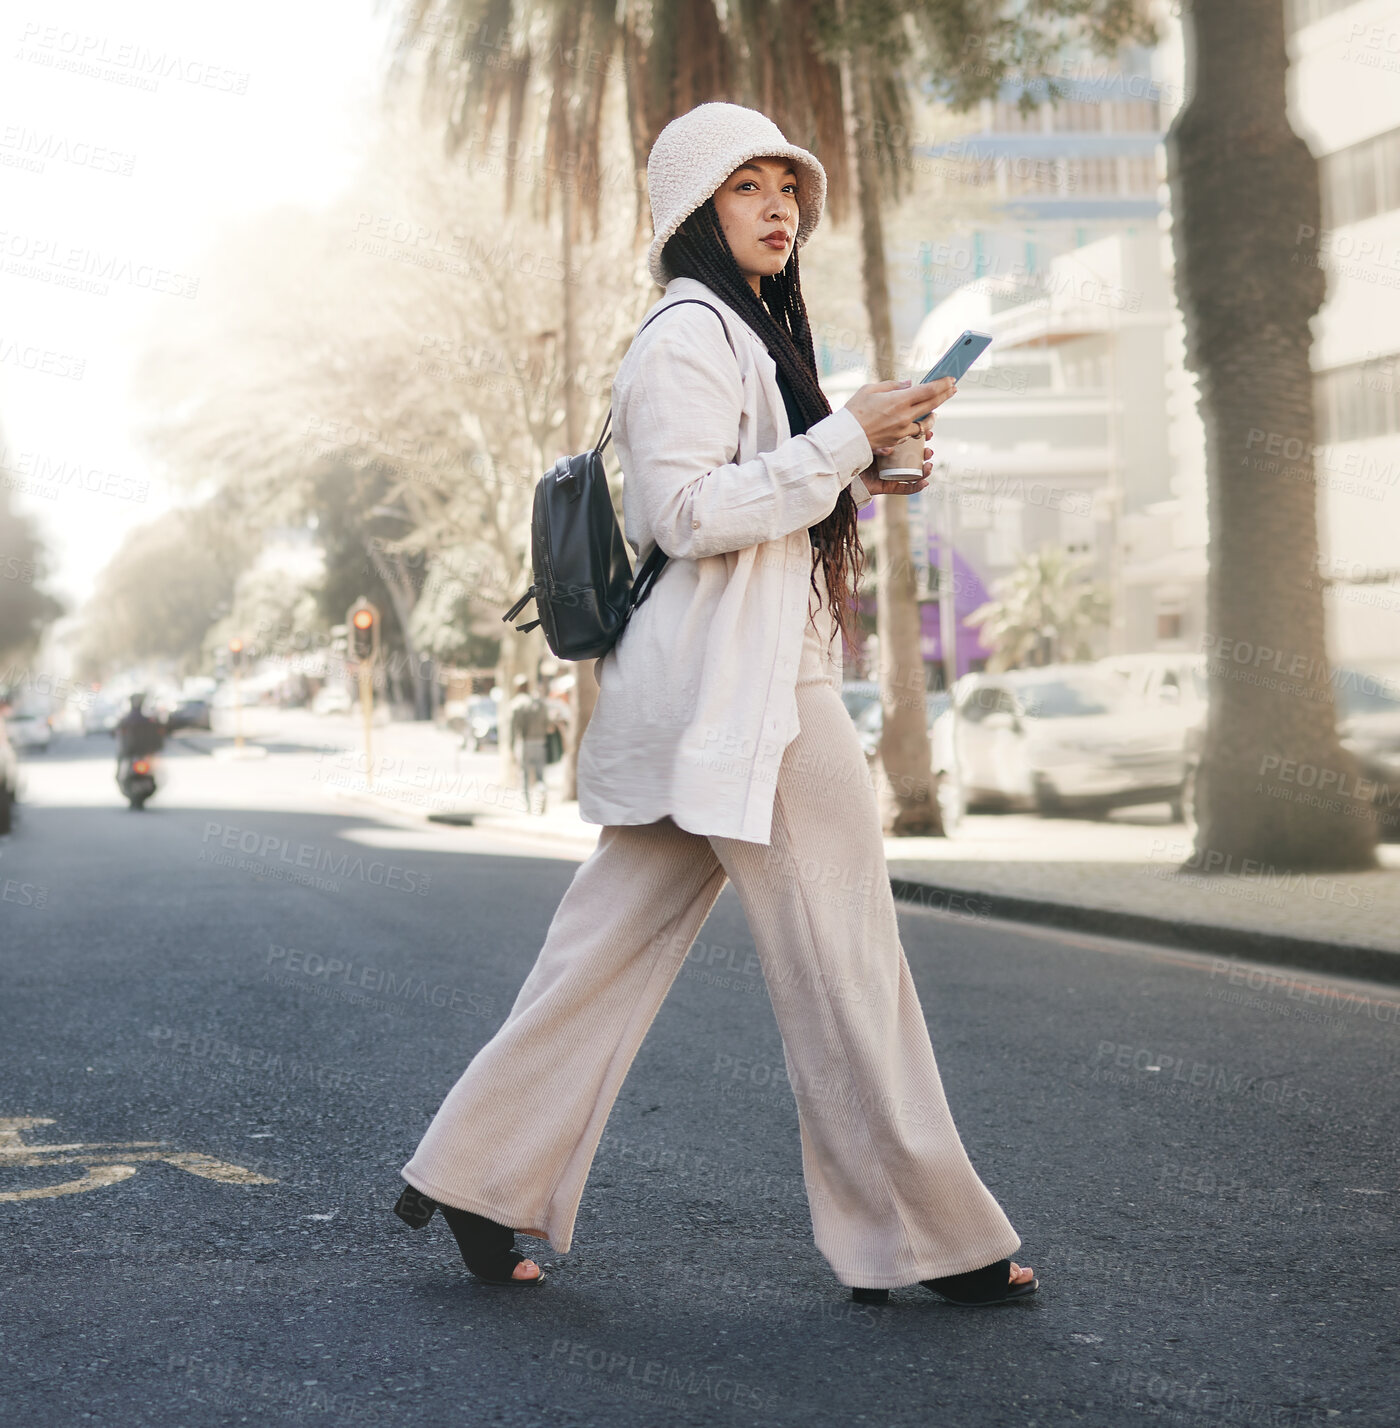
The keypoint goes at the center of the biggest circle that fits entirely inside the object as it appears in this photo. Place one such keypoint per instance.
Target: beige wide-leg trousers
(893, 1196)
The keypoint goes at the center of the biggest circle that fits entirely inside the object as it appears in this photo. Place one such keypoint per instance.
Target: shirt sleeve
(859, 493)
(678, 425)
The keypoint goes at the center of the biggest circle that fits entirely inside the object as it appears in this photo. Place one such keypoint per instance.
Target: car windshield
(857, 699)
(1068, 698)
(1359, 693)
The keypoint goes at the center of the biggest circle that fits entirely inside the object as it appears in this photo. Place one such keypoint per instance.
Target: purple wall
(969, 592)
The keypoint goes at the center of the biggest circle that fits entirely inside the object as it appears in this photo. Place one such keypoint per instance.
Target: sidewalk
(1121, 877)
(1136, 877)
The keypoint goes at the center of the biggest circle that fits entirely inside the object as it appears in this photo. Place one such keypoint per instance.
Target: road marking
(93, 1180)
(107, 1163)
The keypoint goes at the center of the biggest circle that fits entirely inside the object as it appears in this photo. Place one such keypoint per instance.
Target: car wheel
(952, 804)
(1048, 802)
(1188, 800)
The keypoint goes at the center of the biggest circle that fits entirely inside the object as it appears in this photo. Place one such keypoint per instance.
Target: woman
(720, 751)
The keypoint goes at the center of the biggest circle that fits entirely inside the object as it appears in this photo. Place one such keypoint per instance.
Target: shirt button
(695, 525)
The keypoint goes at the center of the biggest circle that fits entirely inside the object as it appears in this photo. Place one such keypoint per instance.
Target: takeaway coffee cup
(905, 462)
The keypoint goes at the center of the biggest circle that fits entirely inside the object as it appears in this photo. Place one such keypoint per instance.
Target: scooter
(137, 780)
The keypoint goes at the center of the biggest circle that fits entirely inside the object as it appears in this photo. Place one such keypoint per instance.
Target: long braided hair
(699, 250)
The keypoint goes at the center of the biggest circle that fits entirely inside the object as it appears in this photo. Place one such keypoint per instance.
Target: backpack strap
(605, 435)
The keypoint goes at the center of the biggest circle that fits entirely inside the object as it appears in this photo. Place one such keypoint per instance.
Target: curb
(1337, 959)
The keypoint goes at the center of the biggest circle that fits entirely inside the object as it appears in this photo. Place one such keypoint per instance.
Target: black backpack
(584, 589)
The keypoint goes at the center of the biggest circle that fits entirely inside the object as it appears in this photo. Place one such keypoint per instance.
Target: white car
(332, 699)
(1059, 739)
(1176, 681)
(29, 728)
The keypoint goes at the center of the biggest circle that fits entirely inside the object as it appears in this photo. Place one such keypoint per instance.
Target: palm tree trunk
(585, 695)
(905, 751)
(1245, 194)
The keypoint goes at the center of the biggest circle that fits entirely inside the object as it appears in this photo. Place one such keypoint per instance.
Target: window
(1077, 532)
(1361, 181)
(1297, 13)
(1008, 119)
(1075, 115)
(1142, 174)
(1358, 402)
(1169, 628)
(1135, 115)
(1027, 173)
(984, 700)
(1091, 175)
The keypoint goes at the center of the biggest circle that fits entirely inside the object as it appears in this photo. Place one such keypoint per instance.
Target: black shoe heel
(871, 1296)
(488, 1249)
(415, 1208)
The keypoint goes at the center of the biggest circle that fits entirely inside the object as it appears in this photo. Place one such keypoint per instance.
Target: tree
(394, 366)
(1045, 611)
(26, 608)
(157, 597)
(1246, 212)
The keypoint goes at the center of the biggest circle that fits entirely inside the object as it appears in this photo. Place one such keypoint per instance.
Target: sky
(129, 133)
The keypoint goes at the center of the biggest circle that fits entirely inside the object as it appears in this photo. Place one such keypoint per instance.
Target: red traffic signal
(362, 622)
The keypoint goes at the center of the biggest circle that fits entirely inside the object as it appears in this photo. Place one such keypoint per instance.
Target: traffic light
(235, 654)
(363, 628)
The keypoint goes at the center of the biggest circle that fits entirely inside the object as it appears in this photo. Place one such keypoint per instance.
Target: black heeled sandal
(989, 1285)
(488, 1249)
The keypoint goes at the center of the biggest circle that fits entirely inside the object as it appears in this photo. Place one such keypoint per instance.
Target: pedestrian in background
(529, 740)
(720, 751)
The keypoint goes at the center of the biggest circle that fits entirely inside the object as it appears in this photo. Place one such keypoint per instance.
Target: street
(242, 1006)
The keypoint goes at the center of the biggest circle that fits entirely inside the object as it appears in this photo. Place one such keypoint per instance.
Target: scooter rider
(138, 735)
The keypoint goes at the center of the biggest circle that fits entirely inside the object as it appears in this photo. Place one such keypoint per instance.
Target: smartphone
(958, 358)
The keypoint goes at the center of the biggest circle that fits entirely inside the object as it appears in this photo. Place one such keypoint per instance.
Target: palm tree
(837, 77)
(1045, 611)
(1244, 189)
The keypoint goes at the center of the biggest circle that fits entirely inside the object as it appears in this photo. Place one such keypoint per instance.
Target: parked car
(1166, 680)
(1059, 739)
(858, 695)
(482, 723)
(190, 714)
(332, 699)
(9, 779)
(29, 728)
(1368, 721)
(870, 722)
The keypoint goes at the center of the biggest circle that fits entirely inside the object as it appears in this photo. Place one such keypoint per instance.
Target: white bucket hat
(698, 150)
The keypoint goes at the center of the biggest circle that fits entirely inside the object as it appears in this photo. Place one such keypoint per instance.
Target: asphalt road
(1203, 1173)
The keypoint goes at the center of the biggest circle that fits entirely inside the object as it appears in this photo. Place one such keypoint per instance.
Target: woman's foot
(488, 1249)
(976, 1286)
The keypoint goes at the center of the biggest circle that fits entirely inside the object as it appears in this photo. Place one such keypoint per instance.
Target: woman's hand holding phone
(886, 412)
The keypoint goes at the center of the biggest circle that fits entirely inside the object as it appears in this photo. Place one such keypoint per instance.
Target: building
(1344, 97)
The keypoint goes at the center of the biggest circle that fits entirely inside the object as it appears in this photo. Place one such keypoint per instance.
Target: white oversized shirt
(696, 700)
